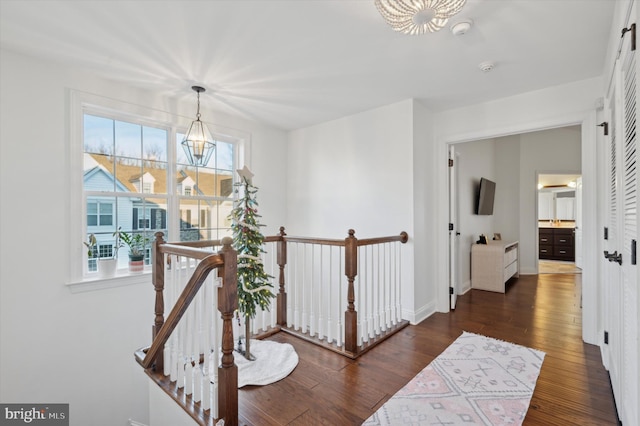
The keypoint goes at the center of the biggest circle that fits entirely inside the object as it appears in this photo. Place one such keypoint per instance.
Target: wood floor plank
(538, 311)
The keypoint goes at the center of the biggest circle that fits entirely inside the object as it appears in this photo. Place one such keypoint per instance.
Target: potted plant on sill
(106, 265)
(136, 244)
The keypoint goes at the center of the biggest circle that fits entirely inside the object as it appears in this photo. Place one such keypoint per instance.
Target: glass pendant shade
(418, 16)
(198, 144)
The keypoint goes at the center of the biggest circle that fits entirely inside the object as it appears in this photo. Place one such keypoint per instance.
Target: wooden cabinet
(493, 264)
(556, 244)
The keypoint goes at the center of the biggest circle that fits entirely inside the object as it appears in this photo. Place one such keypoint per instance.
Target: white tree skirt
(274, 361)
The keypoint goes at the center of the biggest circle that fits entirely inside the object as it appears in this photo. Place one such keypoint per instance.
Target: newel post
(281, 313)
(350, 315)
(157, 278)
(227, 305)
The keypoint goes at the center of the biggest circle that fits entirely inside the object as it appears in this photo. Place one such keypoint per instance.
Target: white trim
(583, 118)
(94, 284)
(416, 317)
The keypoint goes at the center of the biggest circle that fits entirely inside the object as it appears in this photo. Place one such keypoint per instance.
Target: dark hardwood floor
(539, 311)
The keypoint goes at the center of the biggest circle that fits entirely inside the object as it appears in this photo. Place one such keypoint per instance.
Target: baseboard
(134, 423)
(424, 312)
(465, 288)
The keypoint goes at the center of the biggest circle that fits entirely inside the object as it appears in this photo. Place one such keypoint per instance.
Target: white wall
(506, 212)
(551, 151)
(474, 160)
(356, 172)
(424, 255)
(59, 346)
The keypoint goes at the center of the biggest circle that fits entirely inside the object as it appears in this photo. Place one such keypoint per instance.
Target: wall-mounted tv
(486, 193)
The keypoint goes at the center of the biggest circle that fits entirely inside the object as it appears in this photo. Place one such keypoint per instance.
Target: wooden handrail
(200, 274)
(186, 251)
(226, 259)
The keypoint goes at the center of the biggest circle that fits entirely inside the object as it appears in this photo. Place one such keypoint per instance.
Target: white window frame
(81, 103)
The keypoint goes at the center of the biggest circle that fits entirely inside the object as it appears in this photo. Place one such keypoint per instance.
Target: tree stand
(246, 351)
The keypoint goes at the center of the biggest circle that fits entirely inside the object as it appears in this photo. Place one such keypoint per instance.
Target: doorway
(559, 223)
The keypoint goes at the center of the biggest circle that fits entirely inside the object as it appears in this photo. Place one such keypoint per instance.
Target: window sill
(120, 280)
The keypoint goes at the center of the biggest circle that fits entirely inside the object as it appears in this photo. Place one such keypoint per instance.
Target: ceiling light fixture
(418, 16)
(198, 144)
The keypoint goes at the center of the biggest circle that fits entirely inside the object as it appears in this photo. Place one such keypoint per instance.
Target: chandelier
(418, 16)
(198, 144)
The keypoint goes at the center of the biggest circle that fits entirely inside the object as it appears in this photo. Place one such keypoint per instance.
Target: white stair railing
(192, 352)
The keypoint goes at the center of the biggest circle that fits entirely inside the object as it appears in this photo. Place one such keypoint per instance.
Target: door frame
(591, 225)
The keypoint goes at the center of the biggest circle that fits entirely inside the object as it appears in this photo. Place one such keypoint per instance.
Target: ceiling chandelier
(198, 144)
(418, 16)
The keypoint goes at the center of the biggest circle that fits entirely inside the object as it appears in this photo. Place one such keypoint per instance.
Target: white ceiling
(295, 63)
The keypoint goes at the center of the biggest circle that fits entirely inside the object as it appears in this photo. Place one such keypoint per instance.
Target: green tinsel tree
(254, 286)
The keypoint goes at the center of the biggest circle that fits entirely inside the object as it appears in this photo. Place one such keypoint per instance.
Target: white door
(453, 230)
(621, 300)
(629, 236)
(612, 299)
(578, 228)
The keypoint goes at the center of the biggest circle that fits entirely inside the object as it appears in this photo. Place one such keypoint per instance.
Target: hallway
(539, 311)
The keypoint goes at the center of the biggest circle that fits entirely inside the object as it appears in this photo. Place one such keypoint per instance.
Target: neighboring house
(147, 215)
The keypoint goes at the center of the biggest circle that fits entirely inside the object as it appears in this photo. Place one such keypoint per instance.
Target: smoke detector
(461, 27)
(486, 66)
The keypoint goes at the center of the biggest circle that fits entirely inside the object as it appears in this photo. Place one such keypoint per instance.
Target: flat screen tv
(486, 193)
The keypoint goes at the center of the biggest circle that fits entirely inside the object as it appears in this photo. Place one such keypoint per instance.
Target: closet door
(612, 291)
(629, 224)
(620, 296)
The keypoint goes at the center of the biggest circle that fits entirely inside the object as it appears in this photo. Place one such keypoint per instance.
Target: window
(133, 173)
(99, 213)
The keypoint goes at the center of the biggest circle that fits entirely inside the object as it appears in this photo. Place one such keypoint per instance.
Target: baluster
(228, 371)
(282, 294)
(366, 282)
(350, 315)
(339, 325)
(158, 285)
(398, 278)
(363, 294)
(330, 297)
(385, 288)
(379, 290)
(303, 291)
(312, 293)
(322, 286)
(296, 286)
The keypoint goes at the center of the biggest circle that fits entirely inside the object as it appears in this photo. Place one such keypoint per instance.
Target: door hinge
(605, 125)
(451, 291)
(451, 227)
(606, 337)
(631, 29)
(450, 162)
(633, 252)
(606, 233)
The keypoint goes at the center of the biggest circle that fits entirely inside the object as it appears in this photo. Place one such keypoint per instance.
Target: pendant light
(198, 144)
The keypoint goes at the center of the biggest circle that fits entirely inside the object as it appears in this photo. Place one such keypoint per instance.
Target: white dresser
(493, 264)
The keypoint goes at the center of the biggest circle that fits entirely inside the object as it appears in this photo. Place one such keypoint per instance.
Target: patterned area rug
(476, 380)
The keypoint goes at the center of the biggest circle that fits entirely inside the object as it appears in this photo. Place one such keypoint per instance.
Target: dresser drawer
(545, 251)
(545, 239)
(563, 240)
(563, 253)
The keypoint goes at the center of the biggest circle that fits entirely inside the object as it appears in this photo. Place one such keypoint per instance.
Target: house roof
(293, 64)
(207, 182)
